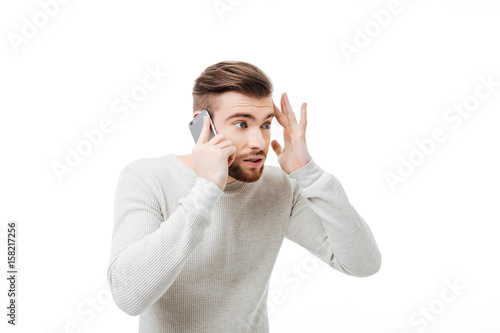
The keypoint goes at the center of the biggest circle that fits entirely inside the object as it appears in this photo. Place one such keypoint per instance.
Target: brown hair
(238, 76)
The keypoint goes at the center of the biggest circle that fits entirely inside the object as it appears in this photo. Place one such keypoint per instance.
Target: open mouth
(255, 162)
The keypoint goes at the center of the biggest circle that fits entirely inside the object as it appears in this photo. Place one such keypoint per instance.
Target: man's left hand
(295, 155)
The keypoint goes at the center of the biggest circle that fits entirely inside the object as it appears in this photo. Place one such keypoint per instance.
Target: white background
(440, 224)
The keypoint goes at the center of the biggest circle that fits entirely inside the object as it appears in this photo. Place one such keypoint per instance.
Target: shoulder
(148, 168)
(274, 179)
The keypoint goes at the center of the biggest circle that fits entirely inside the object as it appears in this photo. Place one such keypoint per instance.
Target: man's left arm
(322, 219)
(324, 222)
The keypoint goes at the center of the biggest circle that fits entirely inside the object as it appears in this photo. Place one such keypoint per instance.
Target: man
(196, 236)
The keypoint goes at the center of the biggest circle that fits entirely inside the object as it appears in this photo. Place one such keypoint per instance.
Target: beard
(240, 170)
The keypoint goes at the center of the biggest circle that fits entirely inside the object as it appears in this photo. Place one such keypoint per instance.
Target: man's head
(234, 87)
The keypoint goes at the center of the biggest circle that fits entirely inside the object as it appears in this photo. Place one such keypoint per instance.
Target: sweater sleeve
(325, 223)
(147, 251)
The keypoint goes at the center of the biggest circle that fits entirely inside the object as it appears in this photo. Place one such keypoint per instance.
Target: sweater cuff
(308, 174)
(205, 193)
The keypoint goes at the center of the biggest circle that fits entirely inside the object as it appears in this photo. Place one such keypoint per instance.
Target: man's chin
(245, 173)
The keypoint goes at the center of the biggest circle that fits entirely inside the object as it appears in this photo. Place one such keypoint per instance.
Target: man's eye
(242, 122)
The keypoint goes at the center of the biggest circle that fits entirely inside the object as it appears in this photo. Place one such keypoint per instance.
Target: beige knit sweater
(189, 257)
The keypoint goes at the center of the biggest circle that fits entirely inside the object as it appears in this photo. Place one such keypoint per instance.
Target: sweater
(189, 257)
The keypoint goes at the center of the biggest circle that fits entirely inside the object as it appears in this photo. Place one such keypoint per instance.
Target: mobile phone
(196, 125)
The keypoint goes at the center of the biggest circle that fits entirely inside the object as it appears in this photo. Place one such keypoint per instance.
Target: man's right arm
(147, 252)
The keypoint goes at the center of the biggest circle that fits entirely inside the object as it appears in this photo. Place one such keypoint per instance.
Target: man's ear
(197, 112)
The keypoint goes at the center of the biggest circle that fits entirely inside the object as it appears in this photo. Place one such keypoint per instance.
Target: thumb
(276, 147)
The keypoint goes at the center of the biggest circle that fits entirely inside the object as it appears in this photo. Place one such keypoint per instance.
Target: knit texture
(189, 257)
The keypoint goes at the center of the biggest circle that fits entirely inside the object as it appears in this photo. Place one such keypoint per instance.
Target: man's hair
(237, 76)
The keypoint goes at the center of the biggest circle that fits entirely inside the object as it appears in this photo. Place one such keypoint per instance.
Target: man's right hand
(213, 158)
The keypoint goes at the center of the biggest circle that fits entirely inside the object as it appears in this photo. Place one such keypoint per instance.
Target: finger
(231, 151)
(288, 111)
(204, 135)
(285, 123)
(283, 103)
(276, 148)
(280, 116)
(225, 143)
(303, 118)
(231, 159)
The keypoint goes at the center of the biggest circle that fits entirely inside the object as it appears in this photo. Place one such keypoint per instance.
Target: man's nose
(256, 139)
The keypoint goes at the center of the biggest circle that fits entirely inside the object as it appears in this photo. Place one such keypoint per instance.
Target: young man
(196, 236)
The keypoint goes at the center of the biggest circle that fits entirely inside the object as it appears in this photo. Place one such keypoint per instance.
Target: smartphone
(196, 125)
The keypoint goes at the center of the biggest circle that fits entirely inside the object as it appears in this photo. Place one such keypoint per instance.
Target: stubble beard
(245, 173)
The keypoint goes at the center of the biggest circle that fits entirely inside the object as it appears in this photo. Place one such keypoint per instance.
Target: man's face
(250, 132)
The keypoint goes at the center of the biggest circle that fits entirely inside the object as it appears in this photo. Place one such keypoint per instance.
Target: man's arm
(326, 224)
(147, 252)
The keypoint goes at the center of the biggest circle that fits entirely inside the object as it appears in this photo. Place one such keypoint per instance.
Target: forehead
(231, 102)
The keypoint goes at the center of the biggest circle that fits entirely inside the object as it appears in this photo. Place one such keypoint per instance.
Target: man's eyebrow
(247, 115)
